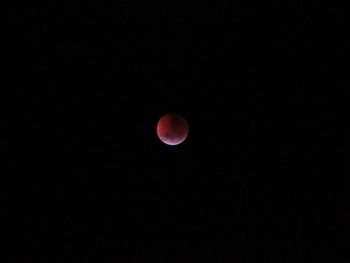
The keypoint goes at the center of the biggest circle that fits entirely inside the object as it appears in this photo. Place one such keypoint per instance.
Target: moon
(172, 129)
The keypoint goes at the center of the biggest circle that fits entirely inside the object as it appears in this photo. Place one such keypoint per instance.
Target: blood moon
(172, 129)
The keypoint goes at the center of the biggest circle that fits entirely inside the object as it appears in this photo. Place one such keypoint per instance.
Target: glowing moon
(172, 129)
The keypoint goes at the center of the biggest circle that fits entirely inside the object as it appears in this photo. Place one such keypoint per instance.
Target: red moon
(172, 129)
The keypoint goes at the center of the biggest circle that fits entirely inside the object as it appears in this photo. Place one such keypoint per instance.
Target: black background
(262, 177)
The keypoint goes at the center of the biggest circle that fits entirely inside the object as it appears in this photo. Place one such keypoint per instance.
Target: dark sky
(262, 177)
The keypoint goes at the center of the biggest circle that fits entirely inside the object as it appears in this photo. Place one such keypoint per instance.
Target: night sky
(262, 177)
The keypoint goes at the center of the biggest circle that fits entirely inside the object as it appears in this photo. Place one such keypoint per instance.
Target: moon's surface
(172, 129)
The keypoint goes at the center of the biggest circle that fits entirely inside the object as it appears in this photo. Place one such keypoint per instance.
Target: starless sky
(262, 176)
